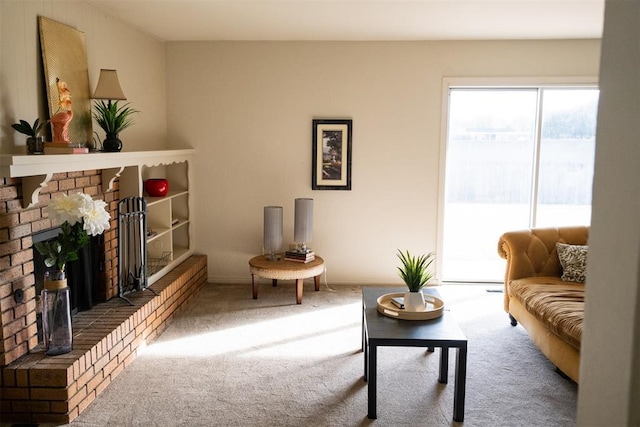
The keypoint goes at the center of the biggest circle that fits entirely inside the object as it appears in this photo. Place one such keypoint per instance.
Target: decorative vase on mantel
(60, 122)
(112, 143)
(414, 301)
(56, 314)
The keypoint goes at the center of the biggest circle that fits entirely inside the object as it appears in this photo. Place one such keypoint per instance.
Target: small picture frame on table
(331, 154)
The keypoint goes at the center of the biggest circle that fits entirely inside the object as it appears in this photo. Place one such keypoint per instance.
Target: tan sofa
(550, 310)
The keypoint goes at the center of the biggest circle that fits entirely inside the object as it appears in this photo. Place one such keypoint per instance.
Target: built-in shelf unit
(169, 217)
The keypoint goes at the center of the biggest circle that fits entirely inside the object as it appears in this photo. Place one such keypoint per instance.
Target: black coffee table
(380, 330)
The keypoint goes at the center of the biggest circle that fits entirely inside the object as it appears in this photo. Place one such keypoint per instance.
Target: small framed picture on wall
(331, 154)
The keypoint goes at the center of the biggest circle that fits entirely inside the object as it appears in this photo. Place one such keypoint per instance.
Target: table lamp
(303, 225)
(272, 233)
(109, 87)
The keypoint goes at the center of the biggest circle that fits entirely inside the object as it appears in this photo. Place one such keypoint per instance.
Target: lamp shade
(272, 239)
(303, 225)
(108, 86)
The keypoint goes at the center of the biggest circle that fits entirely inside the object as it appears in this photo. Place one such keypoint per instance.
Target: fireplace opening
(82, 274)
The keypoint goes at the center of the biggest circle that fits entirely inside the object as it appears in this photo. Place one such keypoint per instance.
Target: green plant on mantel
(113, 118)
(31, 131)
(415, 270)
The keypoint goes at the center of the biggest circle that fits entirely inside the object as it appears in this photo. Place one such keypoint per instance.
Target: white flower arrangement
(79, 217)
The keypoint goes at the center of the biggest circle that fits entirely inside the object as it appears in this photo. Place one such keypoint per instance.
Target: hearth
(82, 274)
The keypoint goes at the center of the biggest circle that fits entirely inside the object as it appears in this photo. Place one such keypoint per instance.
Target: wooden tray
(434, 308)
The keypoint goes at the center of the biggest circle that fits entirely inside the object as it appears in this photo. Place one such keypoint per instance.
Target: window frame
(497, 83)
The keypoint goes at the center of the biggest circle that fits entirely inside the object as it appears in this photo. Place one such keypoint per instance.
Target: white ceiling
(172, 20)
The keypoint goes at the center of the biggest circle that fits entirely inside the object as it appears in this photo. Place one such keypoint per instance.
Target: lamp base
(272, 257)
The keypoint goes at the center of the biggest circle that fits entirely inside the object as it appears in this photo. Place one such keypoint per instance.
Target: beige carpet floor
(229, 360)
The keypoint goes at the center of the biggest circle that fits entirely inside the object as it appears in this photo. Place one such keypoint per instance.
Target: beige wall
(610, 372)
(139, 59)
(247, 109)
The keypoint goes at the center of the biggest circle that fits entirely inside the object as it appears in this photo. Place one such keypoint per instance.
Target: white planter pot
(414, 301)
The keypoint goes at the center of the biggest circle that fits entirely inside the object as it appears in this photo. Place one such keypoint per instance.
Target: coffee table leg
(372, 381)
(274, 282)
(316, 280)
(444, 365)
(254, 286)
(365, 350)
(460, 386)
(299, 291)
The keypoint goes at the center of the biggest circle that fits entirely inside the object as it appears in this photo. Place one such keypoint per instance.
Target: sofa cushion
(573, 259)
(559, 305)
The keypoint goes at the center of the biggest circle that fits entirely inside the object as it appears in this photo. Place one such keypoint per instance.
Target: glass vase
(56, 314)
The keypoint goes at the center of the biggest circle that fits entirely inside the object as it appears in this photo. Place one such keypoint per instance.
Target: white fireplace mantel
(37, 170)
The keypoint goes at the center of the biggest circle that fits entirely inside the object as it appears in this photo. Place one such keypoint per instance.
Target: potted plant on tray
(113, 119)
(35, 143)
(416, 273)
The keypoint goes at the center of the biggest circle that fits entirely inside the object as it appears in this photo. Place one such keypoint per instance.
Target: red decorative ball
(156, 187)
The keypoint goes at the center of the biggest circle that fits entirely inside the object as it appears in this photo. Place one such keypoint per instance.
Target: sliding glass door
(515, 158)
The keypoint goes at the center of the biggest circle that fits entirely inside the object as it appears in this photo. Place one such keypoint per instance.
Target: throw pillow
(573, 259)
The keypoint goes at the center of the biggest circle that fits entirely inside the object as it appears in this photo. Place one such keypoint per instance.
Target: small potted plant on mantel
(416, 273)
(35, 142)
(113, 119)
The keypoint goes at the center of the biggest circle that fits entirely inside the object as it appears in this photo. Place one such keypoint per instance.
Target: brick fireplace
(39, 388)
(17, 225)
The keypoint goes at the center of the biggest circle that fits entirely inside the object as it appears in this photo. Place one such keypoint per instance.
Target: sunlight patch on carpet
(322, 332)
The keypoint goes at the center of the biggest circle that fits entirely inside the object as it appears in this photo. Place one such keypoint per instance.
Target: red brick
(19, 231)
(43, 197)
(27, 333)
(72, 415)
(29, 215)
(31, 406)
(86, 377)
(22, 378)
(15, 353)
(103, 385)
(82, 182)
(9, 220)
(27, 242)
(38, 393)
(91, 396)
(23, 309)
(13, 205)
(9, 247)
(8, 193)
(10, 274)
(66, 184)
(15, 393)
(77, 398)
(21, 257)
(25, 281)
(97, 379)
(117, 371)
(59, 175)
(52, 187)
(39, 376)
(6, 290)
(8, 377)
(41, 224)
(91, 190)
(56, 419)
(28, 267)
